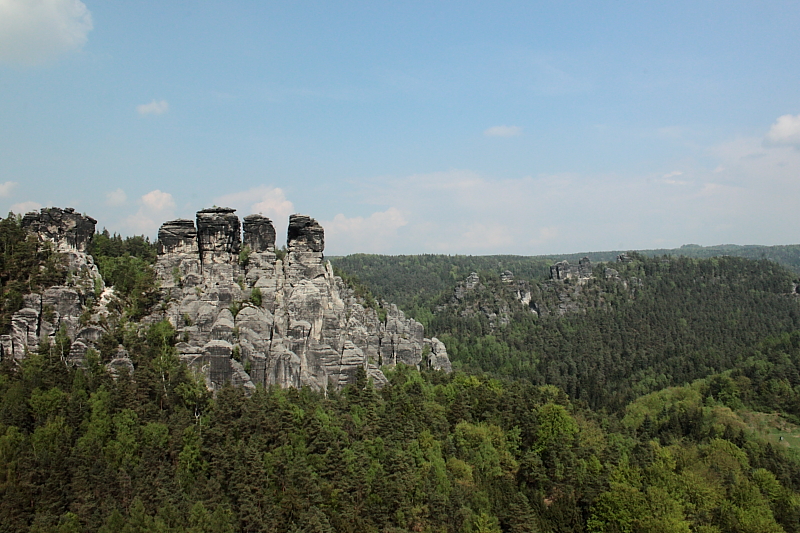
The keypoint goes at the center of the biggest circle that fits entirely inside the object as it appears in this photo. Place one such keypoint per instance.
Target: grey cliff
(256, 319)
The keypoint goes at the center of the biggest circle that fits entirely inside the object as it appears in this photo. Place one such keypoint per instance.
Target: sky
(411, 127)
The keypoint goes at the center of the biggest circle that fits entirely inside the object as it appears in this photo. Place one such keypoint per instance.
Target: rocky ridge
(245, 313)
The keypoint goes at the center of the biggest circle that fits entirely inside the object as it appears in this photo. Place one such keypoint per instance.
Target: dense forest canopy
(153, 451)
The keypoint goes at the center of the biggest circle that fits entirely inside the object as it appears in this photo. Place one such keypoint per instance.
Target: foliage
(582, 422)
(256, 297)
(362, 292)
(413, 280)
(244, 256)
(106, 245)
(126, 264)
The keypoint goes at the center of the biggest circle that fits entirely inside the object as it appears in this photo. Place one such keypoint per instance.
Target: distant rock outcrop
(563, 270)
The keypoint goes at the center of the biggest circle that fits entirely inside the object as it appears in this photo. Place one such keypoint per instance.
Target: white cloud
(116, 198)
(268, 201)
(376, 233)
(503, 131)
(25, 207)
(37, 31)
(158, 201)
(7, 188)
(156, 207)
(153, 108)
(785, 132)
(490, 234)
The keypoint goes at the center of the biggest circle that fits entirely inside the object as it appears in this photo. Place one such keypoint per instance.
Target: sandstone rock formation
(259, 234)
(243, 316)
(58, 307)
(68, 230)
(254, 319)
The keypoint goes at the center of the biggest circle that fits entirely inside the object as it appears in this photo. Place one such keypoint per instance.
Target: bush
(255, 297)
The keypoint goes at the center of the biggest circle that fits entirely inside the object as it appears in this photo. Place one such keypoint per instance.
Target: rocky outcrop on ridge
(247, 317)
(60, 307)
(563, 270)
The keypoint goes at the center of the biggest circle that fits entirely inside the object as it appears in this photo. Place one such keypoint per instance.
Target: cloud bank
(34, 32)
(25, 207)
(377, 233)
(7, 188)
(116, 198)
(744, 192)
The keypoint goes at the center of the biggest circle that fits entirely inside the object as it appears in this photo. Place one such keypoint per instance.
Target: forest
(669, 402)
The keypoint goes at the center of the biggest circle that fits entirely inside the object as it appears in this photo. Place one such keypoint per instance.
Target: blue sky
(411, 127)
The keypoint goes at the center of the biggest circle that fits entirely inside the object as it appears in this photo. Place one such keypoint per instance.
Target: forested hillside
(413, 280)
(652, 323)
(153, 451)
(410, 279)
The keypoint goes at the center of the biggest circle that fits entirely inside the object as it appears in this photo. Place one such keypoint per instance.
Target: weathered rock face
(218, 234)
(66, 229)
(177, 236)
(43, 315)
(305, 235)
(437, 358)
(259, 234)
(287, 322)
(305, 242)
